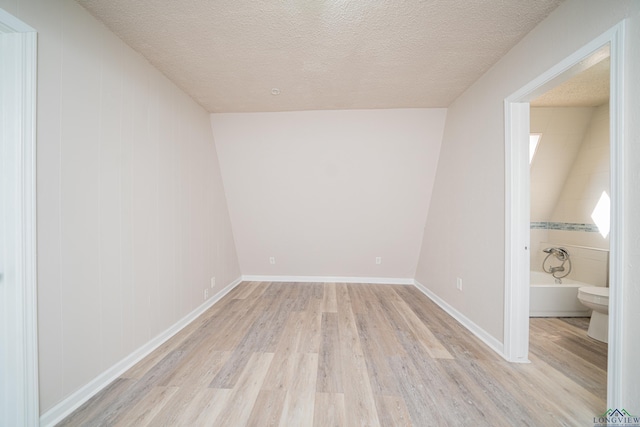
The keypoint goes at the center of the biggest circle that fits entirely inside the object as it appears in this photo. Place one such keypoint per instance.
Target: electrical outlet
(213, 282)
(206, 293)
(378, 260)
(459, 283)
(272, 260)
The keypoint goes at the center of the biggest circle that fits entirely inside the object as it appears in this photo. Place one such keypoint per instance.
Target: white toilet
(597, 299)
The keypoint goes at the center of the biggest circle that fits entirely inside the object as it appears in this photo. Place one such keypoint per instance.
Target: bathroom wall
(132, 217)
(566, 221)
(563, 131)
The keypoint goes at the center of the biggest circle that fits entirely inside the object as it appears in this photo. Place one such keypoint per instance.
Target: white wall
(465, 231)
(132, 218)
(563, 129)
(588, 177)
(326, 192)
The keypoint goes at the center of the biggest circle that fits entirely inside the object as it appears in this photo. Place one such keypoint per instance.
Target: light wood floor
(351, 355)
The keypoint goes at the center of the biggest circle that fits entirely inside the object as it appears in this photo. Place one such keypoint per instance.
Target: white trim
(80, 396)
(330, 279)
(476, 330)
(516, 212)
(19, 78)
(617, 254)
(517, 235)
(11, 24)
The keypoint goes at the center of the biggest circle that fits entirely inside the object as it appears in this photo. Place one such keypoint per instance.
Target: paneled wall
(132, 217)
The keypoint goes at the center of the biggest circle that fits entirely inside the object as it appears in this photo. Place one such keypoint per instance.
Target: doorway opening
(570, 224)
(517, 204)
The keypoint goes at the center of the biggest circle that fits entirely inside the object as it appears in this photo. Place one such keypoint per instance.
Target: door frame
(517, 204)
(18, 284)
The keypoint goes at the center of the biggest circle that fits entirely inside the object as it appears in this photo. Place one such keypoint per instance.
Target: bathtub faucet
(559, 255)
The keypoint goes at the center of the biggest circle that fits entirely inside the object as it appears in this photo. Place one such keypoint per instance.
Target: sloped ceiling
(321, 54)
(590, 88)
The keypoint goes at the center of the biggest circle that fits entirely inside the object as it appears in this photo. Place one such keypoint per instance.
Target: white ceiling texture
(590, 88)
(230, 55)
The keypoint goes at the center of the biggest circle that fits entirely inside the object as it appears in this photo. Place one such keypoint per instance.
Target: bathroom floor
(563, 343)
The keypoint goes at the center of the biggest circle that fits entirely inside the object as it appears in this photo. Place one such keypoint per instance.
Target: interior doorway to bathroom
(517, 207)
(569, 165)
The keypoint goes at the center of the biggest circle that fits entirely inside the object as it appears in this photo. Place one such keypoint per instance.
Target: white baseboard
(476, 330)
(80, 396)
(330, 279)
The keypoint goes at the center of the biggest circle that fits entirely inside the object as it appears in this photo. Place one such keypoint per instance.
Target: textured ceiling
(321, 54)
(589, 88)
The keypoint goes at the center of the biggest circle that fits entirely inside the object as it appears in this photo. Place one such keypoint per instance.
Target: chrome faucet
(560, 254)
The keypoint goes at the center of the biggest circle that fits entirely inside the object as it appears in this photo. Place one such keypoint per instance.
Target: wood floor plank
(329, 303)
(421, 405)
(300, 400)
(571, 338)
(578, 403)
(198, 369)
(177, 409)
(351, 354)
(393, 411)
(266, 329)
(358, 298)
(347, 329)
(431, 344)
(311, 333)
(228, 328)
(586, 375)
(500, 381)
(382, 379)
(381, 327)
(283, 365)
(330, 360)
(268, 408)
(360, 408)
(460, 398)
(243, 397)
(329, 410)
(205, 408)
(144, 411)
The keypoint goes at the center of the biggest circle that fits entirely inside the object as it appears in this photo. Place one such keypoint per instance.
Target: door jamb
(19, 83)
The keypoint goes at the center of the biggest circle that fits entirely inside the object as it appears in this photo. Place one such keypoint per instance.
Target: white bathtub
(549, 299)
